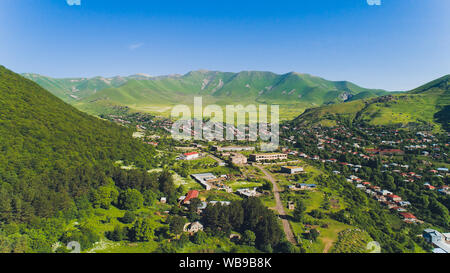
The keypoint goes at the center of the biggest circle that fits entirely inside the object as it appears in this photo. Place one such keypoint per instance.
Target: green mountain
(428, 104)
(52, 154)
(293, 91)
(73, 89)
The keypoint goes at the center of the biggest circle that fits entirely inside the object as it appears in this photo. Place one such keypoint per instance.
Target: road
(219, 161)
(279, 206)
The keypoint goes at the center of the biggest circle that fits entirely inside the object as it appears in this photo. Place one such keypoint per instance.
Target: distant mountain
(293, 91)
(72, 89)
(429, 103)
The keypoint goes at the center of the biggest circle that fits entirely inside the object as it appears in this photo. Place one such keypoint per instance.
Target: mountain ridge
(294, 91)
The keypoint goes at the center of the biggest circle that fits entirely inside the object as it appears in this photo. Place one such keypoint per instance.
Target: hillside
(293, 91)
(428, 104)
(52, 153)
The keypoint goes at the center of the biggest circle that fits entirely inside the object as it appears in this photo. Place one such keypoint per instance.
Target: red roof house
(190, 195)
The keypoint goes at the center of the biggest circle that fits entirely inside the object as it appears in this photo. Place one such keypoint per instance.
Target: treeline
(40, 233)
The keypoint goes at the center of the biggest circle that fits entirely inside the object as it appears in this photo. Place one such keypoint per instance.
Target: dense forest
(55, 162)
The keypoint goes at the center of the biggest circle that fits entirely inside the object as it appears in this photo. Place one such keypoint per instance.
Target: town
(404, 171)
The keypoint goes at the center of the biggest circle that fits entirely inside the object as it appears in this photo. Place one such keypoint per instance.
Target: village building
(408, 217)
(189, 196)
(437, 239)
(190, 156)
(204, 179)
(262, 157)
(193, 227)
(291, 169)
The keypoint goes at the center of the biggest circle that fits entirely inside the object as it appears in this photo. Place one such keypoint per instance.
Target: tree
(194, 204)
(176, 224)
(199, 237)
(313, 234)
(184, 239)
(118, 234)
(141, 231)
(131, 199)
(299, 210)
(128, 217)
(104, 196)
(150, 198)
(249, 238)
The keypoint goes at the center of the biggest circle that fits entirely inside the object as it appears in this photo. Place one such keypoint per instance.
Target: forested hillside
(53, 156)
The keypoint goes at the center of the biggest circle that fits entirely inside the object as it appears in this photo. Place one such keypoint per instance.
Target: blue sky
(398, 45)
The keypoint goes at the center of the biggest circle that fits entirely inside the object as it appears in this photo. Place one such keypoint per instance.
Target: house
(193, 227)
(380, 198)
(190, 195)
(408, 217)
(394, 197)
(190, 156)
(404, 203)
(437, 239)
(398, 209)
(291, 170)
(303, 186)
(385, 192)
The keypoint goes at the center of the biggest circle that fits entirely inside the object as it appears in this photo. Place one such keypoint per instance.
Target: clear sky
(398, 45)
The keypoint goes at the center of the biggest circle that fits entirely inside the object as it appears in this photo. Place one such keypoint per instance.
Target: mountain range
(294, 92)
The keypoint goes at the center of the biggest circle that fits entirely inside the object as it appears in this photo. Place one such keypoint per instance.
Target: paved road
(279, 206)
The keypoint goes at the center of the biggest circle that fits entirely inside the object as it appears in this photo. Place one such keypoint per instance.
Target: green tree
(248, 238)
(141, 231)
(128, 217)
(299, 210)
(131, 199)
(176, 224)
(199, 237)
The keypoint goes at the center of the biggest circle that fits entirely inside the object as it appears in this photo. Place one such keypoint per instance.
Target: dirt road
(279, 206)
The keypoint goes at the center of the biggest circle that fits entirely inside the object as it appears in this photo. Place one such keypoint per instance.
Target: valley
(344, 175)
